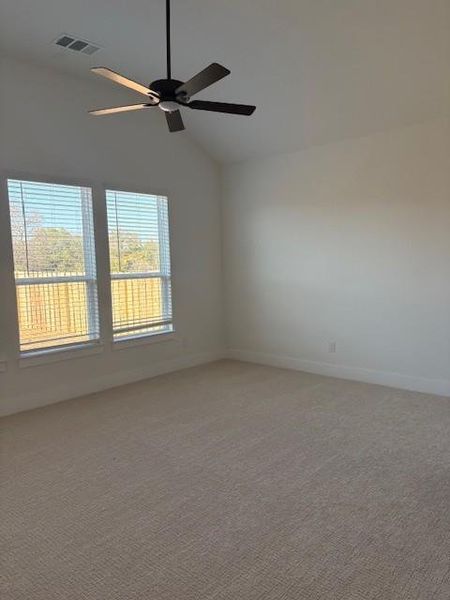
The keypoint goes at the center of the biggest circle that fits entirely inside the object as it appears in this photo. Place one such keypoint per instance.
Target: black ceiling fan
(169, 94)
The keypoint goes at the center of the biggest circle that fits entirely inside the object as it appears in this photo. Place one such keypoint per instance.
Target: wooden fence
(57, 313)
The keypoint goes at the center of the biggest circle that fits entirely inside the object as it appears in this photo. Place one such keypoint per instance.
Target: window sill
(42, 357)
(156, 338)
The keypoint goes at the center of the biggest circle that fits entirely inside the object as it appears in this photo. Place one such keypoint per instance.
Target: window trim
(144, 338)
(34, 358)
(40, 355)
(43, 178)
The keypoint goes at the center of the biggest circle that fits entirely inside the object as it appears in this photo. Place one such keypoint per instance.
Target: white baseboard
(440, 387)
(59, 393)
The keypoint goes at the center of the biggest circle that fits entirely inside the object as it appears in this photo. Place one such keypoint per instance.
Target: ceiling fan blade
(174, 121)
(121, 80)
(203, 79)
(223, 107)
(118, 109)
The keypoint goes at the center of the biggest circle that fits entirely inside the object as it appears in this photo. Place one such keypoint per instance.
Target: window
(54, 264)
(55, 269)
(138, 231)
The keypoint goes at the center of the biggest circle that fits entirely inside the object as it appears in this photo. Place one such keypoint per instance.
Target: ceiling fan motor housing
(166, 89)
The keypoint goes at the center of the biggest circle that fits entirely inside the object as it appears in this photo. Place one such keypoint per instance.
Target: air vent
(74, 43)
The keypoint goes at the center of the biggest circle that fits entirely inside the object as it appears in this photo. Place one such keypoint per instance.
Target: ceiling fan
(169, 94)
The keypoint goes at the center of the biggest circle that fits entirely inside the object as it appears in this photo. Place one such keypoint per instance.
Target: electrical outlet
(332, 347)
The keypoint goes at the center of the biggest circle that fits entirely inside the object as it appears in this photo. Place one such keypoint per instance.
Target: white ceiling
(318, 70)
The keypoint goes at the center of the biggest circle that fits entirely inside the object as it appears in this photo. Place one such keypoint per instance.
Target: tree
(135, 255)
(55, 250)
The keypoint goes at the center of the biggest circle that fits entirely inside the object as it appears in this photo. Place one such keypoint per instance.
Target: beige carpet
(229, 482)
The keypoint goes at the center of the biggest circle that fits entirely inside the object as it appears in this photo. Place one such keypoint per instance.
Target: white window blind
(138, 230)
(54, 264)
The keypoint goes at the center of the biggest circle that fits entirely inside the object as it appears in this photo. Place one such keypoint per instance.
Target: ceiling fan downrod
(168, 48)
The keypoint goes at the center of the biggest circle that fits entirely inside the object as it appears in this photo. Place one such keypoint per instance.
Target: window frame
(59, 351)
(164, 273)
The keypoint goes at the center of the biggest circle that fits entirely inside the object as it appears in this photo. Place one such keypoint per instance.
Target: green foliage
(130, 254)
(56, 250)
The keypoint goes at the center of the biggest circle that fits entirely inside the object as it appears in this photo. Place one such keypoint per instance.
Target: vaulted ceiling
(318, 70)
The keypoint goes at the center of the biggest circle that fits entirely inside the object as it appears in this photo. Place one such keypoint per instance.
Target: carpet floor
(229, 481)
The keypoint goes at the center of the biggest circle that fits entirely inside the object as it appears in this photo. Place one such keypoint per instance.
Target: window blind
(138, 231)
(54, 264)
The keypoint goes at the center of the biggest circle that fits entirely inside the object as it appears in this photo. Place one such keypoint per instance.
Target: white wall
(45, 131)
(348, 242)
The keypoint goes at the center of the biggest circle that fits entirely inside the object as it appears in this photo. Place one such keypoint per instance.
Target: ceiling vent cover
(74, 43)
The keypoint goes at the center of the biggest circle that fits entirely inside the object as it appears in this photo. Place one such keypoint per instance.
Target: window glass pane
(138, 231)
(54, 263)
(137, 302)
(53, 314)
(51, 227)
(134, 239)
